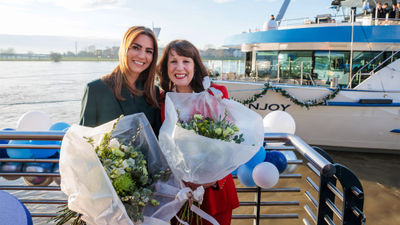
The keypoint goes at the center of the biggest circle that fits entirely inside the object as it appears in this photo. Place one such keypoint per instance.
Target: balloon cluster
(32, 121)
(281, 122)
(263, 169)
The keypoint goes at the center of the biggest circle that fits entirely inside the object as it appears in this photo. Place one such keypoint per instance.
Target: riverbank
(69, 59)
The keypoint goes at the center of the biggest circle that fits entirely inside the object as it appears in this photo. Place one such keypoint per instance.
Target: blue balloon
(13, 211)
(19, 153)
(3, 152)
(234, 172)
(44, 153)
(245, 176)
(60, 126)
(11, 167)
(257, 158)
(56, 169)
(277, 158)
(38, 168)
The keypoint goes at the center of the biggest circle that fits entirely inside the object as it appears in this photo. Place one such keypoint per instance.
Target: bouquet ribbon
(181, 197)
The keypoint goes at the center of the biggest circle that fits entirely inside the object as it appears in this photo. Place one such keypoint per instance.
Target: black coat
(99, 105)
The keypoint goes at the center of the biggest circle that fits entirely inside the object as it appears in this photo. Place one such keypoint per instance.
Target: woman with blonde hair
(129, 88)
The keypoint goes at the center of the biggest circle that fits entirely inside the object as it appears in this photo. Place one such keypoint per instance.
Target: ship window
(365, 62)
(331, 64)
(266, 65)
(247, 69)
(292, 63)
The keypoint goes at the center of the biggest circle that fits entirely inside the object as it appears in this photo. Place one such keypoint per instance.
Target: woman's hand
(194, 186)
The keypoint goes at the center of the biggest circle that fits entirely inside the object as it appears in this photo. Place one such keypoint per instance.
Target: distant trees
(8, 51)
(218, 54)
(54, 56)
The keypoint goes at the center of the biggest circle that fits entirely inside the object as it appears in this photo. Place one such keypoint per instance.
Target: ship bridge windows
(266, 64)
(329, 65)
(366, 62)
(292, 63)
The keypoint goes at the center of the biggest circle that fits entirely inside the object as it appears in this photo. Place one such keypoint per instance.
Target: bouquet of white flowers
(210, 152)
(116, 174)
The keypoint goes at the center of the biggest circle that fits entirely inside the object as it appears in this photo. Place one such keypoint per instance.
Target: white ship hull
(342, 124)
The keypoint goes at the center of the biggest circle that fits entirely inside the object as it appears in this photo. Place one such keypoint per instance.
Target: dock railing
(332, 193)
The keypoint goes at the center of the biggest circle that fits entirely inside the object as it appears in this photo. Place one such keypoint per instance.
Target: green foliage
(54, 56)
(220, 129)
(123, 184)
(127, 169)
(307, 103)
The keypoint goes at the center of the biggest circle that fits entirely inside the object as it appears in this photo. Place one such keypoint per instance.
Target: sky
(205, 23)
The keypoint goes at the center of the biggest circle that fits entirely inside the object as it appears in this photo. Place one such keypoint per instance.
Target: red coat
(218, 202)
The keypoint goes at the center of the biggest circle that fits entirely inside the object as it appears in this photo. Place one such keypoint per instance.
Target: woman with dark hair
(181, 70)
(129, 88)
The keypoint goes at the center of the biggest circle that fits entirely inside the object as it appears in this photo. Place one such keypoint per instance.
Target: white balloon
(279, 122)
(290, 155)
(265, 175)
(34, 121)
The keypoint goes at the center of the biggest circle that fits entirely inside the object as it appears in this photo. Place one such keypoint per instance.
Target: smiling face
(180, 71)
(140, 54)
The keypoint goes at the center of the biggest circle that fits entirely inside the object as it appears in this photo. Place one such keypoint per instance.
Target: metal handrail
(372, 71)
(323, 165)
(311, 79)
(385, 61)
(32, 135)
(355, 74)
(326, 170)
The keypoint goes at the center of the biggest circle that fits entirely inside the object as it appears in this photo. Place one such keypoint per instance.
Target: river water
(57, 88)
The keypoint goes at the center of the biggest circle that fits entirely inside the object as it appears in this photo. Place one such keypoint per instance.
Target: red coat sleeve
(222, 89)
(223, 199)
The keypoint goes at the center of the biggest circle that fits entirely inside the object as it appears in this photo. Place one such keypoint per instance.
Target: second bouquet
(204, 138)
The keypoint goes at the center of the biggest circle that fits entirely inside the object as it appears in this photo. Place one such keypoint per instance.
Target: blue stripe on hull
(359, 104)
(366, 34)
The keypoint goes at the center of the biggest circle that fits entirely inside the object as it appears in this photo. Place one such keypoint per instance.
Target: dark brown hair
(118, 77)
(186, 49)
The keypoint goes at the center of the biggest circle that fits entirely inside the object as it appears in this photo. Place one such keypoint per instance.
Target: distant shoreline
(91, 59)
(64, 59)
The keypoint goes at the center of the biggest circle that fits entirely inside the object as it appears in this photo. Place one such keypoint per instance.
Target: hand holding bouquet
(116, 173)
(214, 149)
(200, 138)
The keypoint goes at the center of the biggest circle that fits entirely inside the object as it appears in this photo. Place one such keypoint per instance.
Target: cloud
(266, 0)
(86, 4)
(223, 1)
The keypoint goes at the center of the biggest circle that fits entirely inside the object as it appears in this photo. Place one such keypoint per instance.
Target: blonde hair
(119, 76)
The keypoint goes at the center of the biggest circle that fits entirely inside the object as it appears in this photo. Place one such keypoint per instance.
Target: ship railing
(385, 21)
(362, 76)
(328, 192)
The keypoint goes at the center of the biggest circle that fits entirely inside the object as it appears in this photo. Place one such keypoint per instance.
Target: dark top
(381, 13)
(99, 105)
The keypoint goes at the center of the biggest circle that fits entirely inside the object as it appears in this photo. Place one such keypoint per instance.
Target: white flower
(122, 171)
(125, 164)
(145, 171)
(125, 148)
(131, 162)
(114, 143)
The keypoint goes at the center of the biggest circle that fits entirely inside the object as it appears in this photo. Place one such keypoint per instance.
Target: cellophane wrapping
(90, 191)
(198, 159)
